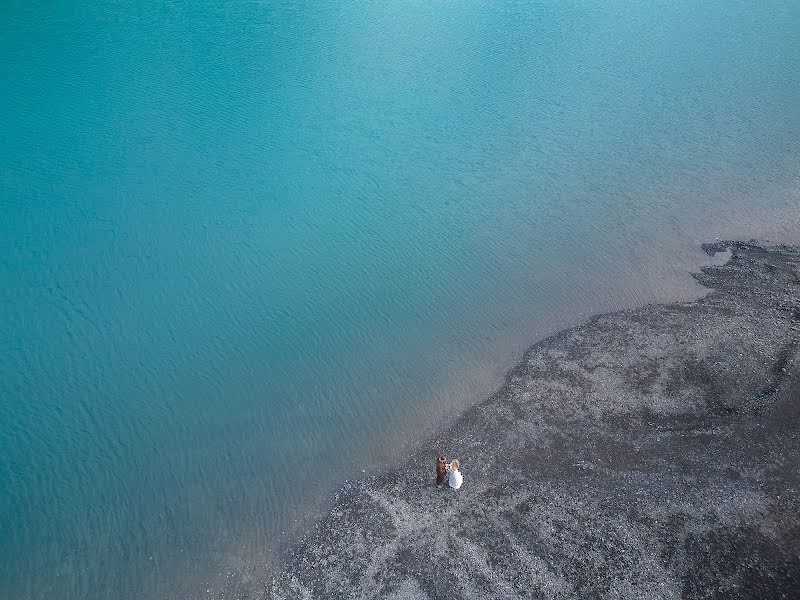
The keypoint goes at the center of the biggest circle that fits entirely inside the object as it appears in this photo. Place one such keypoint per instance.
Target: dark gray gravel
(651, 453)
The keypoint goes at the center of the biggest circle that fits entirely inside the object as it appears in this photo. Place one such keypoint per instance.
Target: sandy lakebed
(649, 453)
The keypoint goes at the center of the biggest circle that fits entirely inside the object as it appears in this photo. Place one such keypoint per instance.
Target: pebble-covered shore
(650, 453)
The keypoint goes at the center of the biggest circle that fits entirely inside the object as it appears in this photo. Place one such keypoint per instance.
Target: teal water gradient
(249, 249)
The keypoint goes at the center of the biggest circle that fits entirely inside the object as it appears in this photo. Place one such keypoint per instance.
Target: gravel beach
(650, 453)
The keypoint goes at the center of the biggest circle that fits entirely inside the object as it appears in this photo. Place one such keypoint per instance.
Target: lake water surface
(250, 249)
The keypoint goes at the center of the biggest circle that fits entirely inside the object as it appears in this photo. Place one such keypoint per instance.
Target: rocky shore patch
(650, 453)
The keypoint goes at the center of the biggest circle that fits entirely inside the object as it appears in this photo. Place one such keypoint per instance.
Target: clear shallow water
(249, 250)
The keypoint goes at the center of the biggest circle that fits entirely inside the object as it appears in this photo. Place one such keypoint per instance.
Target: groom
(441, 470)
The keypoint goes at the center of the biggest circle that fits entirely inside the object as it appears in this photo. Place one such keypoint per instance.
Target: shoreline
(611, 461)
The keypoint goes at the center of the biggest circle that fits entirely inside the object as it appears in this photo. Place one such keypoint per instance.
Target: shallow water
(248, 250)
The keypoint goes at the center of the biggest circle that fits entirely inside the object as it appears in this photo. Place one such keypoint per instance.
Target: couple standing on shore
(448, 470)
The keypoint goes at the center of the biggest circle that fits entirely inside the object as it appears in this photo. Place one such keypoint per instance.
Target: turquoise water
(250, 249)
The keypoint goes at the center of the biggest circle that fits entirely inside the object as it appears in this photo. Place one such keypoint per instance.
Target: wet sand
(649, 453)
